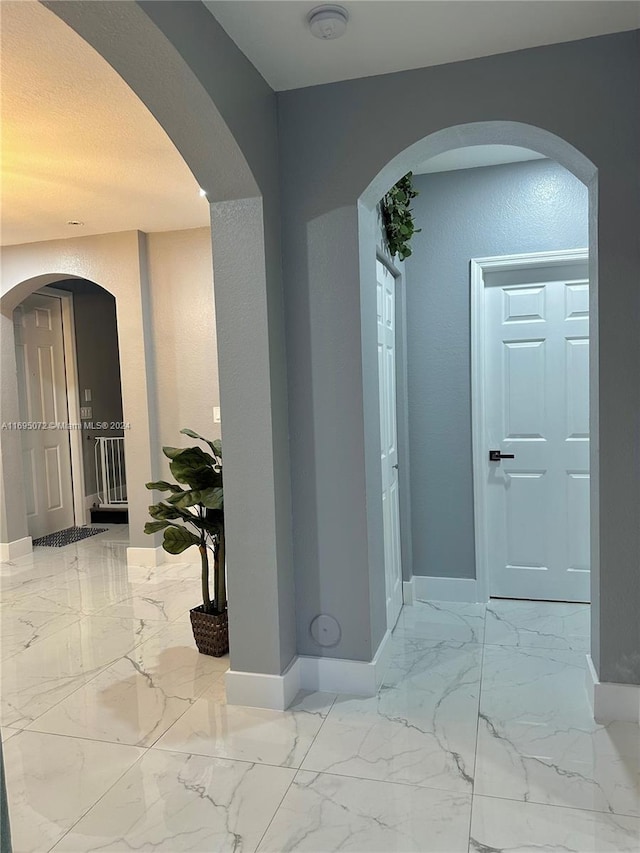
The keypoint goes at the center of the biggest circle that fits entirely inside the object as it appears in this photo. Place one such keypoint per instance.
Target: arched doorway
(77, 462)
(116, 265)
(486, 133)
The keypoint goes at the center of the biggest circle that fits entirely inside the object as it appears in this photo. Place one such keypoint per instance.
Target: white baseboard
(337, 675)
(408, 592)
(611, 702)
(17, 548)
(258, 690)
(147, 557)
(329, 675)
(445, 589)
(151, 557)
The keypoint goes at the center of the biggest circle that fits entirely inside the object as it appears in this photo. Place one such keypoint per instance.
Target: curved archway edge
(480, 133)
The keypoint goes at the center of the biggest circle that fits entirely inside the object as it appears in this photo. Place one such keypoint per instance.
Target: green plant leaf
(397, 216)
(155, 526)
(164, 512)
(163, 486)
(212, 498)
(178, 539)
(194, 467)
(171, 452)
(186, 499)
(216, 445)
(202, 475)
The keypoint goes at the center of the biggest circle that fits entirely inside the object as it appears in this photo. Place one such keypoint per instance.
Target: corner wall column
(255, 444)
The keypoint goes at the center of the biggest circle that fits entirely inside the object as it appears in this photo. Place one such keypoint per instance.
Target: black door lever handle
(496, 456)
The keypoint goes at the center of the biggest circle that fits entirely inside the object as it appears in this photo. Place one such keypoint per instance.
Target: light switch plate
(86, 413)
(216, 414)
(87, 395)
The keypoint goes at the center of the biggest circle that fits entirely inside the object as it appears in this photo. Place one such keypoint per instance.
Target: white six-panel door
(42, 394)
(536, 382)
(389, 440)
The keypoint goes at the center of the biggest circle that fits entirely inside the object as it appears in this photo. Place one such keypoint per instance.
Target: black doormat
(66, 537)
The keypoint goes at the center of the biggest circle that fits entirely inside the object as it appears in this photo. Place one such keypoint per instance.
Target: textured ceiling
(394, 35)
(78, 144)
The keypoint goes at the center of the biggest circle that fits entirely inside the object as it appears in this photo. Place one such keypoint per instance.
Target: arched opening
(452, 139)
(463, 138)
(74, 463)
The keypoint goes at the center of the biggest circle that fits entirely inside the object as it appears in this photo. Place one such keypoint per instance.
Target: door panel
(536, 380)
(42, 397)
(389, 441)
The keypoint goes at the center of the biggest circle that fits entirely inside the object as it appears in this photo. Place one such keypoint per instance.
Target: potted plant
(193, 514)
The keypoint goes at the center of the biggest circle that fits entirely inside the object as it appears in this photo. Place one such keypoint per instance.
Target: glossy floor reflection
(117, 735)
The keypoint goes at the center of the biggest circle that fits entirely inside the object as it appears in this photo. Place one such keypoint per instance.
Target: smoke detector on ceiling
(328, 22)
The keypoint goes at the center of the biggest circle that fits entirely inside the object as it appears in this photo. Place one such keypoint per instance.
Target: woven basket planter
(210, 631)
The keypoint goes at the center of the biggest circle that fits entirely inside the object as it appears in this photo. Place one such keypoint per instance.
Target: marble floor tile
(163, 572)
(21, 629)
(174, 802)
(442, 620)
(395, 748)
(211, 727)
(163, 600)
(421, 727)
(36, 679)
(322, 813)
(137, 698)
(500, 825)
(26, 572)
(538, 624)
(71, 591)
(52, 781)
(186, 571)
(435, 666)
(537, 740)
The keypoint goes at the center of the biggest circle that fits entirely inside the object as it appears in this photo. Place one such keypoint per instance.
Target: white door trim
(479, 267)
(393, 584)
(73, 402)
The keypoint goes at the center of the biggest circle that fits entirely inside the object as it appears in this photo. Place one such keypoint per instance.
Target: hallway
(117, 735)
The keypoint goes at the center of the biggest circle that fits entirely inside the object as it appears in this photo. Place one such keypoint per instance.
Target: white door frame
(384, 261)
(73, 401)
(479, 267)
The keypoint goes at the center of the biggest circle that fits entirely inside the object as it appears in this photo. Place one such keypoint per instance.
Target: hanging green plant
(397, 217)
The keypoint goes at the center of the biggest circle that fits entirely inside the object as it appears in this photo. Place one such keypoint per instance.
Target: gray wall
(338, 145)
(523, 207)
(98, 360)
